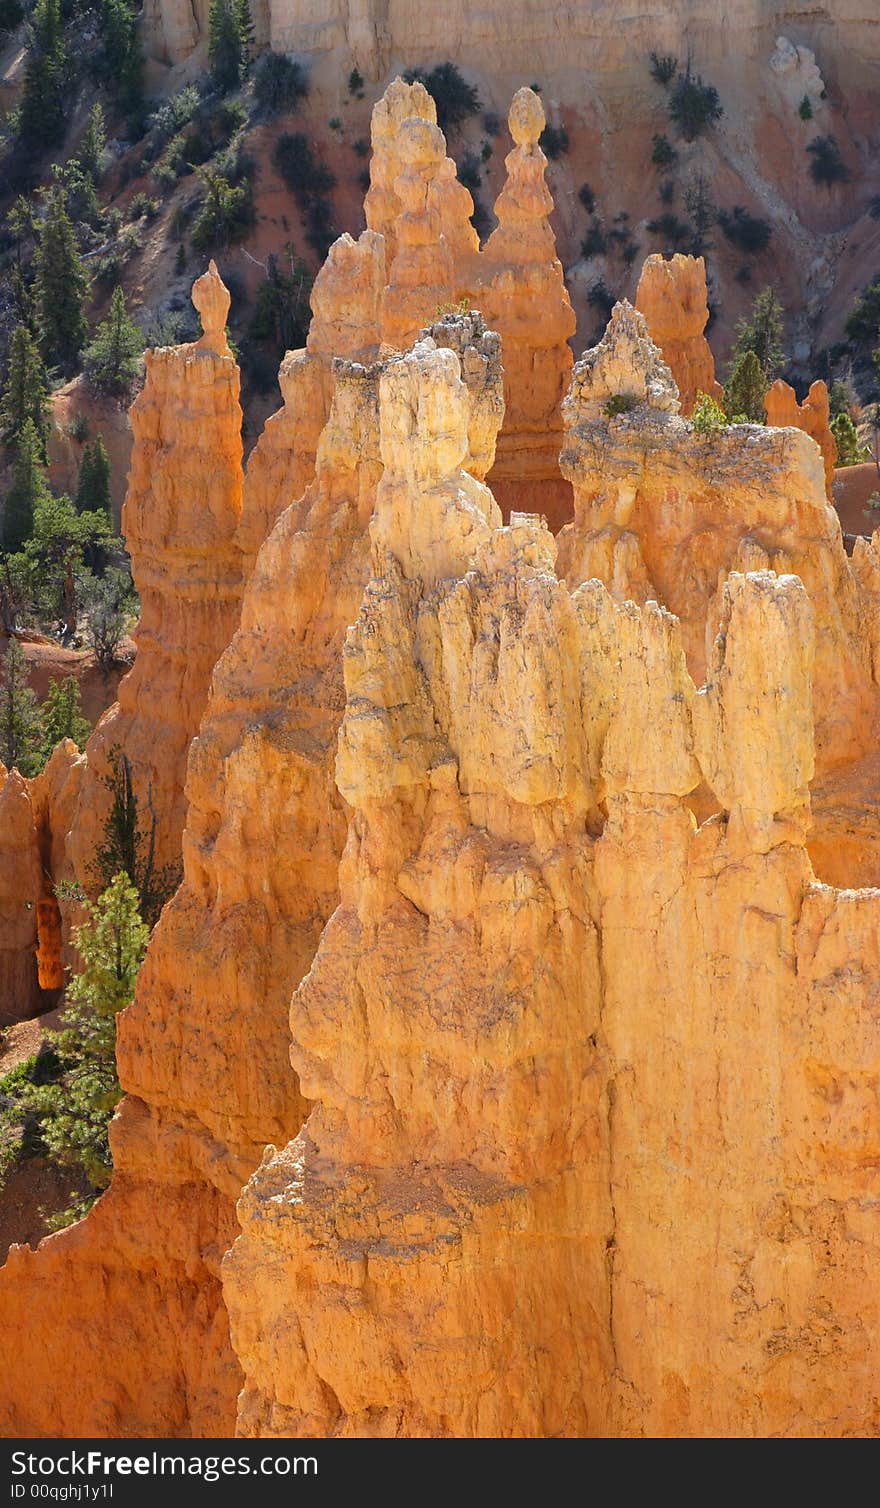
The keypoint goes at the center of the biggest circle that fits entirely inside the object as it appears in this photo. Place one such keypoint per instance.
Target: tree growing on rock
(61, 716)
(20, 732)
(763, 334)
(28, 488)
(93, 483)
(744, 393)
(26, 392)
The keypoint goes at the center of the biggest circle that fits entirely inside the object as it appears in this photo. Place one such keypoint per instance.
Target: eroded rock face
(813, 416)
(203, 1052)
(672, 297)
(666, 513)
(21, 887)
(503, 1129)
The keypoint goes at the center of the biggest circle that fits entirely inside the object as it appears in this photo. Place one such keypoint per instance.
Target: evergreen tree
(129, 848)
(229, 36)
(57, 548)
(849, 451)
(42, 118)
(744, 393)
(26, 390)
(74, 1111)
(93, 484)
(19, 717)
(762, 333)
(28, 488)
(94, 144)
(112, 359)
(61, 716)
(61, 286)
(120, 62)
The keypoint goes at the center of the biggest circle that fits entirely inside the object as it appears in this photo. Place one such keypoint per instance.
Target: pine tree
(60, 543)
(93, 485)
(762, 333)
(744, 393)
(26, 390)
(129, 848)
(61, 716)
(120, 63)
(229, 29)
(42, 119)
(94, 144)
(19, 717)
(112, 359)
(61, 286)
(74, 1112)
(28, 488)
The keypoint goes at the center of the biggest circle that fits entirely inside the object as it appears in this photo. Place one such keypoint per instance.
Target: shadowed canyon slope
(505, 1062)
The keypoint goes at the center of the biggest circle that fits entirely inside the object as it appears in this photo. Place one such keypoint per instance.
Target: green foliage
(747, 232)
(229, 37)
(805, 108)
(468, 172)
(119, 62)
(762, 333)
(282, 312)
(827, 167)
(335, 123)
(744, 393)
(587, 198)
(20, 730)
(677, 234)
(28, 487)
(26, 392)
(175, 113)
(698, 201)
(279, 83)
(862, 326)
(311, 181)
(110, 605)
(361, 147)
(61, 717)
(601, 298)
(708, 417)
(42, 115)
(455, 98)
(694, 106)
(666, 191)
(356, 83)
(553, 141)
(129, 848)
(226, 212)
(93, 483)
(620, 403)
(61, 284)
(74, 1112)
(594, 243)
(663, 67)
(94, 144)
(849, 451)
(112, 359)
(61, 542)
(841, 397)
(11, 14)
(663, 153)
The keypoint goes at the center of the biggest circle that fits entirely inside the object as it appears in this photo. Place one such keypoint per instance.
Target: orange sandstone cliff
(500, 978)
(813, 416)
(672, 297)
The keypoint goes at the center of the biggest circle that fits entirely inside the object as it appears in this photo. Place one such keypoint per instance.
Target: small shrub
(173, 114)
(873, 502)
(301, 170)
(78, 428)
(874, 207)
(827, 167)
(455, 98)
(226, 212)
(279, 83)
(849, 451)
(676, 233)
(492, 123)
(708, 416)
(553, 141)
(594, 243)
(694, 106)
(620, 403)
(481, 220)
(743, 274)
(663, 67)
(356, 83)
(587, 198)
(143, 207)
(468, 172)
(663, 153)
(363, 179)
(600, 297)
(486, 151)
(335, 123)
(361, 147)
(805, 108)
(667, 191)
(747, 232)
